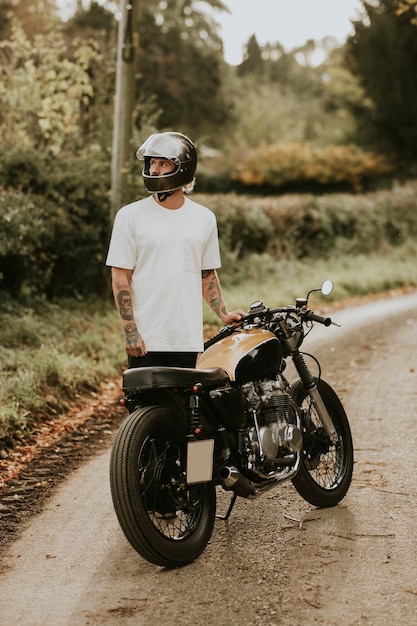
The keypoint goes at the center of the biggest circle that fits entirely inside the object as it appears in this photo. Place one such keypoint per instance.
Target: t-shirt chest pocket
(193, 250)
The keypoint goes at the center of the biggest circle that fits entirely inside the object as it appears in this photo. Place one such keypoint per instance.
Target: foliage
(269, 113)
(188, 85)
(50, 353)
(278, 282)
(278, 122)
(312, 226)
(44, 94)
(22, 227)
(293, 70)
(280, 165)
(306, 94)
(404, 6)
(54, 231)
(91, 20)
(273, 248)
(43, 367)
(243, 227)
(35, 16)
(382, 53)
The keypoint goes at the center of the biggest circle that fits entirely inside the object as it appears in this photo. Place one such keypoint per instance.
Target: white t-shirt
(167, 250)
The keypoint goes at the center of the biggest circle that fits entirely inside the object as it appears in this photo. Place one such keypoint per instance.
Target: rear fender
(162, 397)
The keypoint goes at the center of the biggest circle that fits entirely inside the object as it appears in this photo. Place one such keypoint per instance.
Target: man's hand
(228, 317)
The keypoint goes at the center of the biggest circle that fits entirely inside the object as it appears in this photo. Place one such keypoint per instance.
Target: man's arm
(212, 294)
(135, 346)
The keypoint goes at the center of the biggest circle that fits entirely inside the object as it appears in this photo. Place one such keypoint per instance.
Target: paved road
(278, 561)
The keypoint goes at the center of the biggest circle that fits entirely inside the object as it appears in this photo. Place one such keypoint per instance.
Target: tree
(383, 55)
(282, 96)
(90, 20)
(253, 62)
(181, 66)
(34, 16)
(44, 93)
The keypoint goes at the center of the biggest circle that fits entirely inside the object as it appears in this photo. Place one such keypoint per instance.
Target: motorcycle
(233, 422)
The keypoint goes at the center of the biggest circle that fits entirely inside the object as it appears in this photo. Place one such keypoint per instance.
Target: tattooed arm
(212, 294)
(135, 346)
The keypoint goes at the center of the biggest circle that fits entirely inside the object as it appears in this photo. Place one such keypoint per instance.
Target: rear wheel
(166, 521)
(326, 469)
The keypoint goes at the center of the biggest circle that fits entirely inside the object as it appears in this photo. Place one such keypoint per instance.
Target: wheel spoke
(322, 459)
(326, 469)
(170, 506)
(165, 520)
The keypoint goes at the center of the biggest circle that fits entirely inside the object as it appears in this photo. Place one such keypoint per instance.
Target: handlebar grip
(326, 321)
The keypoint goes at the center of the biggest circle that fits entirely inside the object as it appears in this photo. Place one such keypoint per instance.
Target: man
(164, 253)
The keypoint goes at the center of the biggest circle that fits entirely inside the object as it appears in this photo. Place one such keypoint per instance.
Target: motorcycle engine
(274, 433)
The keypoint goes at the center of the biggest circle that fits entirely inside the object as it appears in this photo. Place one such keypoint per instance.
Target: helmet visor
(162, 145)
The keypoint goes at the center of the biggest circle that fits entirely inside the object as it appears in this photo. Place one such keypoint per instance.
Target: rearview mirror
(327, 287)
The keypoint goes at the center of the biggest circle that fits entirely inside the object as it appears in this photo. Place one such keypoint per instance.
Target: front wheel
(325, 471)
(166, 521)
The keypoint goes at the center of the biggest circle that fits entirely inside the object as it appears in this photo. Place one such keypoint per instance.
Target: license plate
(200, 461)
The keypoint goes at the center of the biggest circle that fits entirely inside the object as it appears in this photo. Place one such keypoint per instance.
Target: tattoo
(212, 292)
(215, 303)
(214, 297)
(132, 335)
(124, 301)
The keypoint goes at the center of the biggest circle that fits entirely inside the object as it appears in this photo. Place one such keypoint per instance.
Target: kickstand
(229, 510)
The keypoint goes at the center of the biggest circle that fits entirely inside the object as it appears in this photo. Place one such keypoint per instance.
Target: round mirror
(327, 287)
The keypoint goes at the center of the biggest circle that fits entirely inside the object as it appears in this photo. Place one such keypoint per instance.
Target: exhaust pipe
(229, 476)
(232, 480)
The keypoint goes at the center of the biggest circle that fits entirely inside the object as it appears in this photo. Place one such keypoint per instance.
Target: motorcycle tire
(167, 521)
(325, 471)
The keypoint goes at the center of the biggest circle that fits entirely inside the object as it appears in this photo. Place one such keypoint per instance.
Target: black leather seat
(141, 378)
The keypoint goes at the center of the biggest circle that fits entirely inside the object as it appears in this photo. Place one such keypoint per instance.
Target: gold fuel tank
(245, 355)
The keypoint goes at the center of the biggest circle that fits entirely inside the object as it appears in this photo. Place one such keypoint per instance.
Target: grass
(49, 353)
(279, 283)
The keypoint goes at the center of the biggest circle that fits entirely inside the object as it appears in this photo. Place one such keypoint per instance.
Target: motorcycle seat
(141, 378)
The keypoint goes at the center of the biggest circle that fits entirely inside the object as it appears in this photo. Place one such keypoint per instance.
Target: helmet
(178, 149)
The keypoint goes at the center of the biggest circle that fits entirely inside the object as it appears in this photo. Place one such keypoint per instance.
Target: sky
(289, 22)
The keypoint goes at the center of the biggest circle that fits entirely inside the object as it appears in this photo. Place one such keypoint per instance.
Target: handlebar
(312, 317)
(269, 314)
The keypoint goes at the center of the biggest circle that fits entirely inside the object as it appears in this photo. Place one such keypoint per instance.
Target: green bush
(54, 231)
(54, 224)
(25, 236)
(243, 226)
(273, 248)
(304, 225)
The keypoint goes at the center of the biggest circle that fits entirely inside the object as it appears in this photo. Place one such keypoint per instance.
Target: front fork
(309, 383)
(312, 390)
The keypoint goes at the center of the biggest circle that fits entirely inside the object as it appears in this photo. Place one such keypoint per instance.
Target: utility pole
(127, 50)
